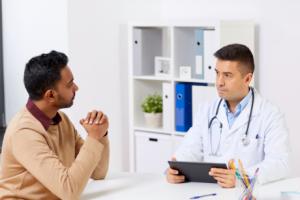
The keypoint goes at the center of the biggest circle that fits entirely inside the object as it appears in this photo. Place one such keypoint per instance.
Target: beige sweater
(48, 164)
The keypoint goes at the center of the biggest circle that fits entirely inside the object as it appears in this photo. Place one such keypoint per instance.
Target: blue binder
(183, 103)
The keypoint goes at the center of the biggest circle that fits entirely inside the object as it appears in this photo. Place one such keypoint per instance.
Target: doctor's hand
(173, 175)
(224, 177)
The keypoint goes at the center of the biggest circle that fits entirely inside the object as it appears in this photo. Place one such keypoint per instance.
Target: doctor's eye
(227, 75)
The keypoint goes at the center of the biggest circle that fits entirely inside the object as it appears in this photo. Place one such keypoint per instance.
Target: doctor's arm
(224, 177)
(173, 175)
(191, 147)
(189, 150)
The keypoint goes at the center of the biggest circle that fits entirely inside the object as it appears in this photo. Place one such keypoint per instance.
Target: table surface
(152, 186)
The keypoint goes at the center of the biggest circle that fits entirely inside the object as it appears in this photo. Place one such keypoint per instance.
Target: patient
(43, 156)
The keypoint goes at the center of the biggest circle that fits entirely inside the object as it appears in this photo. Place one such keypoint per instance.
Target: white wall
(30, 28)
(94, 36)
(98, 53)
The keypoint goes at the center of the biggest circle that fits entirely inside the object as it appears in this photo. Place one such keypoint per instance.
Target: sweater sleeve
(102, 166)
(32, 151)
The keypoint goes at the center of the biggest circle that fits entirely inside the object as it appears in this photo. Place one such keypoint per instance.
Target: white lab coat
(268, 134)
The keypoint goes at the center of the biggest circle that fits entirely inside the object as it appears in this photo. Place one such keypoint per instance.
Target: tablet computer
(196, 171)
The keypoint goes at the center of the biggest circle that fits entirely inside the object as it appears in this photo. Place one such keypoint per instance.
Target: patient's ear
(49, 95)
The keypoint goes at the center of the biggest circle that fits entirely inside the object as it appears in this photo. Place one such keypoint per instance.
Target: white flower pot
(153, 120)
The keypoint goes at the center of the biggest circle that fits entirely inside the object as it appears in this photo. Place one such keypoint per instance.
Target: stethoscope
(245, 139)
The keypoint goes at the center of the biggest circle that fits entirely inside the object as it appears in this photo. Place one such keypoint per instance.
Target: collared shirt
(231, 117)
(39, 115)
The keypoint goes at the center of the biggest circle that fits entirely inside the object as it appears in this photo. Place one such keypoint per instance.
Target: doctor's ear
(248, 77)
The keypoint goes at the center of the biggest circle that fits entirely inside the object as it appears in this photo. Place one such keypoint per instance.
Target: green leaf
(152, 103)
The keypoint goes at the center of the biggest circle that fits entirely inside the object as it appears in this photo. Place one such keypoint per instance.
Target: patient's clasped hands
(96, 124)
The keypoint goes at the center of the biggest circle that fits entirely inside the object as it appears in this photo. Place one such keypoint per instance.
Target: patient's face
(65, 89)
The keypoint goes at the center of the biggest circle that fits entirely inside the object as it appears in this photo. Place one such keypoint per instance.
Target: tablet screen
(196, 171)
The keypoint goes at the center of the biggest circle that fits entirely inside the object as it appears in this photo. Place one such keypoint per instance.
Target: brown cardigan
(48, 164)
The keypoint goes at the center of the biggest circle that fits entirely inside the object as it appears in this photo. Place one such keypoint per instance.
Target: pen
(239, 176)
(284, 193)
(252, 183)
(244, 173)
(205, 195)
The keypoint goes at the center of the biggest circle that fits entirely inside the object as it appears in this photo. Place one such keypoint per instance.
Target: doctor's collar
(240, 106)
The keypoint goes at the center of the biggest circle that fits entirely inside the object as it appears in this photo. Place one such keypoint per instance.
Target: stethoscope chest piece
(245, 140)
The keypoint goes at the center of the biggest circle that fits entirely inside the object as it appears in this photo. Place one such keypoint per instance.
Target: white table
(149, 186)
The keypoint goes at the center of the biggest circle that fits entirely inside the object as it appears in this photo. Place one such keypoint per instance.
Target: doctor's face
(231, 83)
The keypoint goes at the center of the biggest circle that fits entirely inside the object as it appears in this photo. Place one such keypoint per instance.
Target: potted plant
(152, 108)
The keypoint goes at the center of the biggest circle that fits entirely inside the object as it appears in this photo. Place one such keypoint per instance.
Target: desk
(149, 186)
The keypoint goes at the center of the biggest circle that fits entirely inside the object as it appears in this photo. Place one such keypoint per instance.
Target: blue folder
(183, 103)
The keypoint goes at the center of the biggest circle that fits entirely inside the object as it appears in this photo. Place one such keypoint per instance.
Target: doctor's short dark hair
(43, 72)
(237, 52)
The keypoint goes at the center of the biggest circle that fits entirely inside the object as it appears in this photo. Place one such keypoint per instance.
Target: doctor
(238, 125)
